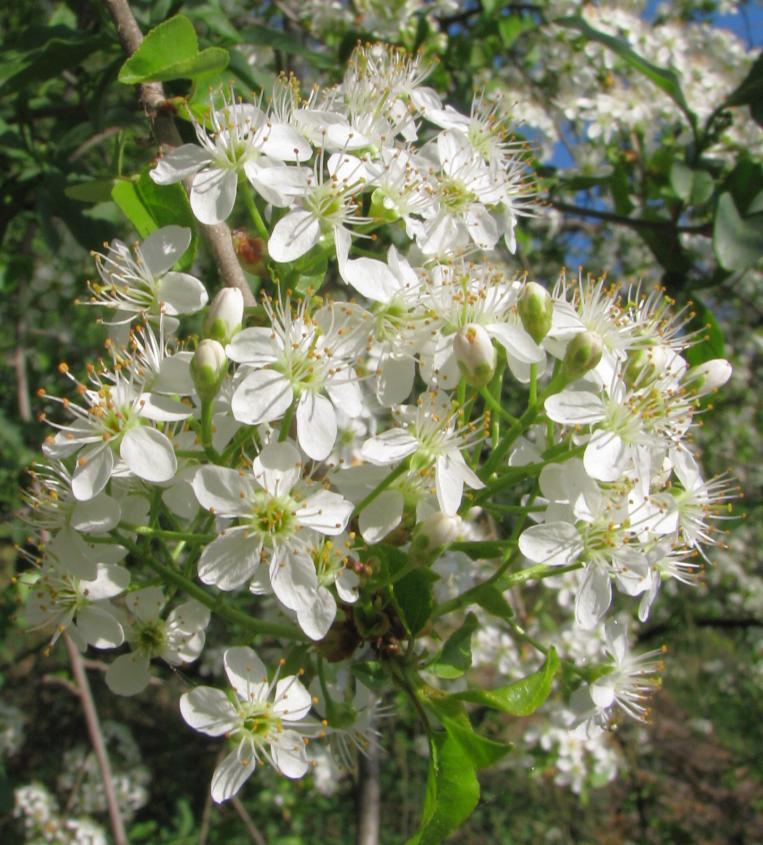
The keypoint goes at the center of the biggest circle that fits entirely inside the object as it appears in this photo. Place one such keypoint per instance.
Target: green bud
(475, 354)
(583, 354)
(382, 207)
(224, 315)
(209, 367)
(535, 310)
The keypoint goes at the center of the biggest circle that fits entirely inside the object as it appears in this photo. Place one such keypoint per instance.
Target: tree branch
(218, 237)
(633, 222)
(368, 795)
(97, 741)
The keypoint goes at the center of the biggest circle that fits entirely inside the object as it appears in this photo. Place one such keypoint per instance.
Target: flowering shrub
(361, 471)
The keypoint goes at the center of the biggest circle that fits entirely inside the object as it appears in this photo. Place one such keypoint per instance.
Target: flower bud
(383, 207)
(224, 315)
(583, 354)
(251, 251)
(535, 309)
(433, 534)
(709, 376)
(475, 354)
(644, 364)
(209, 366)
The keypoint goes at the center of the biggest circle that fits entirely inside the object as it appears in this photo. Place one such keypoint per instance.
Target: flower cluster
(301, 465)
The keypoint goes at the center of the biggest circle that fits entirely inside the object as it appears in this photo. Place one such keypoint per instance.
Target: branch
(633, 222)
(96, 738)
(218, 237)
(251, 828)
(368, 795)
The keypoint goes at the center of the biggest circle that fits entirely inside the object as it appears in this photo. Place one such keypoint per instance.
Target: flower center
(149, 637)
(273, 517)
(455, 196)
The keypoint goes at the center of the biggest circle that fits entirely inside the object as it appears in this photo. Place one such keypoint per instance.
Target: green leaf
(413, 598)
(511, 27)
(738, 241)
(262, 35)
(97, 190)
(171, 51)
(521, 698)
(750, 91)
(713, 343)
(149, 206)
(452, 791)
(666, 80)
(692, 186)
(456, 655)
(491, 599)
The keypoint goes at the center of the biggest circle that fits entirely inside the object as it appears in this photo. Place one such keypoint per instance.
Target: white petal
(175, 375)
(326, 512)
(181, 293)
(164, 247)
(99, 627)
(246, 673)
(257, 346)
(146, 604)
(282, 142)
(128, 674)
(110, 580)
(289, 754)
(482, 226)
(293, 236)
(213, 194)
(154, 406)
(344, 391)
(347, 584)
(179, 163)
(263, 396)
(389, 447)
(395, 380)
(224, 491)
(316, 619)
(606, 456)
(594, 597)
(230, 560)
(574, 407)
(552, 543)
(208, 710)
(149, 454)
(278, 468)
(602, 692)
(517, 343)
(294, 580)
(381, 516)
(280, 186)
(231, 774)
(73, 554)
(371, 278)
(292, 701)
(94, 467)
(316, 425)
(96, 516)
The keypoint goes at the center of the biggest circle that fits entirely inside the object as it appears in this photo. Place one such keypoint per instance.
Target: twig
(218, 237)
(633, 222)
(250, 826)
(368, 796)
(22, 382)
(96, 739)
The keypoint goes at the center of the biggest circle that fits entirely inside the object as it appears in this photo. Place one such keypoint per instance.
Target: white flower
(177, 639)
(263, 719)
(63, 601)
(244, 140)
(429, 435)
(297, 359)
(142, 279)
(276, 514)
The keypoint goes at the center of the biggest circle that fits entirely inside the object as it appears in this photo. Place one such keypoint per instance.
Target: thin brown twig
(250, 826)
(218, 236)
(97, 741)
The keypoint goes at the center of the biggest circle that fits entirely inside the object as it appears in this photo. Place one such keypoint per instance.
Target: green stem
(163, 534)
(399, 470)
(254, 212)
(533, 384)
(215, 604)
(496, 406)
(536, 573)
(207, 413)
(283, 432)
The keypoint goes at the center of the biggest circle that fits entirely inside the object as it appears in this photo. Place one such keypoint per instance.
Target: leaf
(694, 187)
(491, 599)
(97, 190)
(149, 206)
(521, 698)
(413, 598)
(257, 34)
(456, 655)
(738, 241)
(452, 791)
(750, 91)
(171, 51)
(712, 344)
(666, 80)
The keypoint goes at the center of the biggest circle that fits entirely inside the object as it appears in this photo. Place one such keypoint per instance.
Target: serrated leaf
(738, 241)
(456, 655)
(149, 206)
(520, 698)
(666, 80)
(171, 51)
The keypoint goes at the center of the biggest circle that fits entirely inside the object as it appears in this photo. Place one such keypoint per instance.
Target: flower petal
(231, 774)
(574, 407)
(179, 163)
(221, 490)
(164, 247)
(230, 560)
(293, 236)
(289, 754)
(316, 618)
(292, 701)
(96, 516)
(208, 710)
(257, 346)
(552, 543)
(381, 516)
(94, 467)
(181, 293)
(594, 597)
(326, 512)
(99, 627)
(128, 674)
(388, 448)
(278, 468)
(246, 673)
(213, 194)
(149, 454)
(316, 425)
(263, 396)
